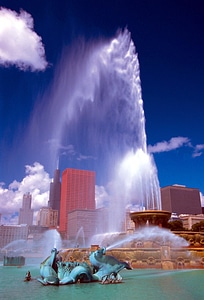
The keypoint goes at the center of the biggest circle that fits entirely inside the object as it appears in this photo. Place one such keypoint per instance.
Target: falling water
(50, 239)
(98, 104)
(15, 245)
(80, 239)
(154, 234)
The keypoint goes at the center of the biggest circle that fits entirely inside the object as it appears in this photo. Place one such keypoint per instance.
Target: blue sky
(168, 36)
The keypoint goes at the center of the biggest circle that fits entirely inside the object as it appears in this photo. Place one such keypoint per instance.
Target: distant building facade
(26, 213)
(181, 200)
(189, 220)
(47, 217)
(55, 193)
(10, 233)
(81, 225)
(77, 193)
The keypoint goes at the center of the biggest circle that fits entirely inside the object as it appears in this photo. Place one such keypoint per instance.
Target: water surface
(149, 284)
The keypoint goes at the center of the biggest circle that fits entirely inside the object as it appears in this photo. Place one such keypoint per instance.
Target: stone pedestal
(150, 217)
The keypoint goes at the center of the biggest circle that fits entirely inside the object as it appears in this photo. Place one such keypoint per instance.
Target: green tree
(198, 226)
(176, 225)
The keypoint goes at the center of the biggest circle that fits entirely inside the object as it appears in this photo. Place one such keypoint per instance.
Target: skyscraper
(26, 213)
(77, 192)
(55, 193)
(181, 200)
(47, 217)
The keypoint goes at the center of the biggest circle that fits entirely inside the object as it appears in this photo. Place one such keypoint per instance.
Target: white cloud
(198, 150)
(175, 143)
(172, 144)
(101, 196)
(36, 182)
(19, 44)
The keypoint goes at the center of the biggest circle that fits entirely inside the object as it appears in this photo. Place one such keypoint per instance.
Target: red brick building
(77, 193)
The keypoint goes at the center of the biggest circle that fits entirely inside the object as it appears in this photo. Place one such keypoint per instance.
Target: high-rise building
(26, 213)
(55, 193)
(181, 200)
(47, 217)
(77, 192)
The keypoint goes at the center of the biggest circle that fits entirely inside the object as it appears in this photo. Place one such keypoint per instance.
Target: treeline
(177, 225)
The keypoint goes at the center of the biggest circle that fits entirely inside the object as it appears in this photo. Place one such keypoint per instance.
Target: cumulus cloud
(102, 198)
(172, 144)
(198, 150)
(175, 143)
(36, 182)
(19, 44)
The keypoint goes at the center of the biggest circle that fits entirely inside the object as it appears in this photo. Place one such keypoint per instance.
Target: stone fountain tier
(163, 257)
(151, 217)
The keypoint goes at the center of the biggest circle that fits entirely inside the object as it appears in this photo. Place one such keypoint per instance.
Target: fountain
(103, 268)
(99, 85)
(79, 240)
(151, 217)
(105, 94)
(36, 248)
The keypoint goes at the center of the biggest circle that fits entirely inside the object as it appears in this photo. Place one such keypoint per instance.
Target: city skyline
(169, 42)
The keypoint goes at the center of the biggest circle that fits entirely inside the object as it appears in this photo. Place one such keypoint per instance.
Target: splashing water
(50, 239)
(80, 239)
(101, 125)
(15, 245)
(154, 234)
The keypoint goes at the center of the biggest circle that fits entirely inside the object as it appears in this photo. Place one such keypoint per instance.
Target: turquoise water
(146, 284)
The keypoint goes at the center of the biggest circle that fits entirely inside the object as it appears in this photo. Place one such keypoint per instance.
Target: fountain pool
(137, 284)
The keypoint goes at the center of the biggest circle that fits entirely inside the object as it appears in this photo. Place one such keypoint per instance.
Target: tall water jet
(101, 122)
(133, 180)
(101, 125)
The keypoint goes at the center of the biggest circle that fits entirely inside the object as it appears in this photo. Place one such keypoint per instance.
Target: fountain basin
(150, 217)
(163, 257)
